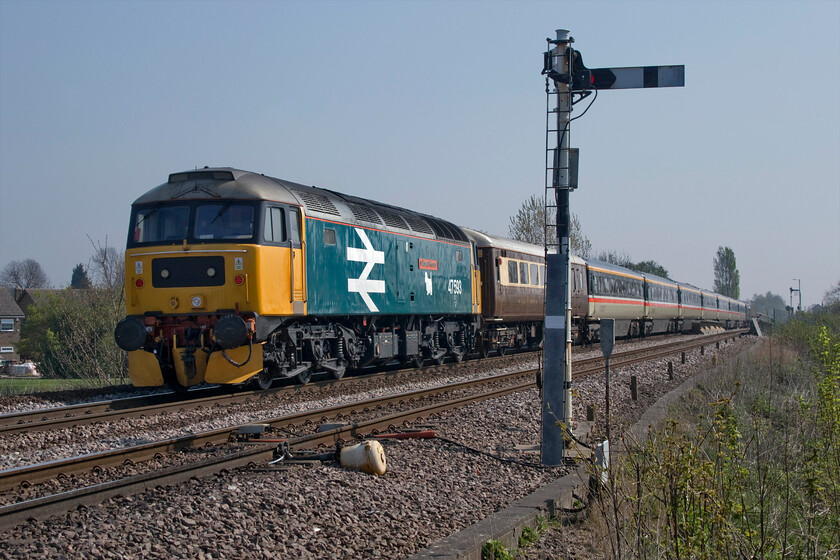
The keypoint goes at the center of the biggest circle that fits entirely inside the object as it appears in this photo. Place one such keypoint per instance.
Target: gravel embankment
(432, 488)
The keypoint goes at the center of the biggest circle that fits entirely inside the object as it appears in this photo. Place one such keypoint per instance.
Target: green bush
(748, 468)
(70, 335)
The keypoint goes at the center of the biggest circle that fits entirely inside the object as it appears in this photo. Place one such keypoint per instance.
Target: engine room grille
(418, 224)
(318, 203)
(393, 220)
(365, 213)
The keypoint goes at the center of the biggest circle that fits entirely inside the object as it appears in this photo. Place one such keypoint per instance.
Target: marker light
(139, 282)
(238, 279)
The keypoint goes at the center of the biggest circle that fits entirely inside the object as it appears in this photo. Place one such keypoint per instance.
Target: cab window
(224, 221)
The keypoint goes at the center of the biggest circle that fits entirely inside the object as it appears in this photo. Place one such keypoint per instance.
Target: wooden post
(683, 358)
(590, 413)
(671, 371)
(634, 393)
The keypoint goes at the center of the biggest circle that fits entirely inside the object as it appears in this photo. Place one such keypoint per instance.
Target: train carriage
(691, 304)
(512, 291)
(616, 292)
(710, 306)
(662, 305)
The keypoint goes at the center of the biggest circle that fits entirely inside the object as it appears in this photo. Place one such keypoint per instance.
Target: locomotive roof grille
(418, 224)
(393, 220)
(201, 176)
(365, 213)
(317, 202)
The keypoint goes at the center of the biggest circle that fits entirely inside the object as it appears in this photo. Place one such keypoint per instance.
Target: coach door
(580, 300)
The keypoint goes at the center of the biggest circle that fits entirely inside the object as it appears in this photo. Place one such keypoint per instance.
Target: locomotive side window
(535, 275)
(294, 226)
(274, 229)
(329, 236)
(513, 272)
(523, 273)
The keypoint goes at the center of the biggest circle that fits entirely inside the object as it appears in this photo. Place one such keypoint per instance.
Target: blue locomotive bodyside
(355, 270)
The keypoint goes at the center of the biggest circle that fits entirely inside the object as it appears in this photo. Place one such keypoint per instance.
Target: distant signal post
(567, 77)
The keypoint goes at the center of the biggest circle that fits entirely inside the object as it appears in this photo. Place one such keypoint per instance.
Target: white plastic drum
(367, 457)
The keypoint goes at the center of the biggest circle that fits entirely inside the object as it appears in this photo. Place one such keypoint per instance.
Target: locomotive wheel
(263, 380)
(484, 349)
(303, 377)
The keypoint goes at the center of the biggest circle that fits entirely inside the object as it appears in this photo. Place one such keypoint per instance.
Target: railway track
(399, 410)
(117, 409)
(88, 413)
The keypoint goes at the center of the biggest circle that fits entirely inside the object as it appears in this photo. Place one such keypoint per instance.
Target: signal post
(566, 76)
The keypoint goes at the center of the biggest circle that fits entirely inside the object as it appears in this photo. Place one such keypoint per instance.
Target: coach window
(513, 274)
(535, 275)
(542, 274)
(523, 273)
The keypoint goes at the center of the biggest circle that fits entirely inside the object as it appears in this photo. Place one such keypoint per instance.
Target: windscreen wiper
(222, 210)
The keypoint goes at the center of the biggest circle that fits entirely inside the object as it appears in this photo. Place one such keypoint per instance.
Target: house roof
(8, 307)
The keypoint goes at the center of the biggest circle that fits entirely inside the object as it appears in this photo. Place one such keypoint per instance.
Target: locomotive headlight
(211, 272)
(164, 273)
(197, 301)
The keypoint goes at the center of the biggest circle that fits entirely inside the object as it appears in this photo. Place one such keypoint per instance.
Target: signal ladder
(554, 136)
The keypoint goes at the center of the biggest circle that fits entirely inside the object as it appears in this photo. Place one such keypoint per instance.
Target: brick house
(11, 318)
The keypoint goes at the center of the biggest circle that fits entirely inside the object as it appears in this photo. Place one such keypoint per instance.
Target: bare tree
(108, 265)
(727, 277)
(619, 258)
(529, 226)
(832, 296)
(23, 275)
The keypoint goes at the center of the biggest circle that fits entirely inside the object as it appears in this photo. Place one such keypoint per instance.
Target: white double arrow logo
(362, 285)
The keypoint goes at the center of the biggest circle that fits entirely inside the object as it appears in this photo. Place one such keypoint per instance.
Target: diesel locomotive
(234, 276)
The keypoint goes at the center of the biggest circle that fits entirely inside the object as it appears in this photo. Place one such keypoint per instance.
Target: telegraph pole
(567, 76)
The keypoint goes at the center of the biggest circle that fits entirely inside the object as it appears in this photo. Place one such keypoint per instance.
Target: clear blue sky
(438, 107)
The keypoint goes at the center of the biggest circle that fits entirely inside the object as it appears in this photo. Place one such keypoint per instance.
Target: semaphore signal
(564, 68)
